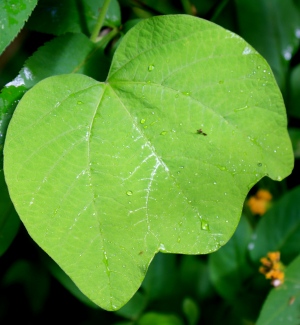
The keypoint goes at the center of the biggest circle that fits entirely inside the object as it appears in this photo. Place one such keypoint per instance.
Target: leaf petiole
(100, 21)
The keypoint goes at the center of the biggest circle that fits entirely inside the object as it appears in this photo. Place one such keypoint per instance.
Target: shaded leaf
(295, 138)
(59, 17)
(13, 15)
(34, 280)
(134, 308)
(279, 229)
(9, 220)
(261, 24)
(228, 266)
(160, 157)
(282, 306)
(294, 98)
(161, 319)
(191, 311)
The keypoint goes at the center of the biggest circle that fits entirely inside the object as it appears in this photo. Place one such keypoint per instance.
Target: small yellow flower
(272, 268)
(259, 203)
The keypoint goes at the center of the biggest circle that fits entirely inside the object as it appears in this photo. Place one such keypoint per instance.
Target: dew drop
(258, 67)
(151, 67)
(221, 167)
(163, 133)
(178, 240)
(204, 225)
(259, 164)
(186, 93)
(79, 102)
(129, 193)
(279, 178)
(142, 121)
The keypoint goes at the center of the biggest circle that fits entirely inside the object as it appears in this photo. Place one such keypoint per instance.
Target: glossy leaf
(13, 14)
(279, 229)
(294, 99)
(59, 17)
(261, 24)
(9, 220)
(282, 306)
(158, 158)
(52, 59)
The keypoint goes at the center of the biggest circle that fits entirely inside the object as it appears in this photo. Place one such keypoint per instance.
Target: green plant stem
(219, 10)
(187, 7)
(107, 38)
(100, 21)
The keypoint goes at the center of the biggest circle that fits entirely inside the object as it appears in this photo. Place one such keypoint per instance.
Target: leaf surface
(282, 306)
(160, 157)
(279, 230)
(51, 59)
(13, 14)
(59, 17)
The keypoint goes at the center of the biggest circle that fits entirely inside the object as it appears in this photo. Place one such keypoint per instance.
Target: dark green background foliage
(223, 287)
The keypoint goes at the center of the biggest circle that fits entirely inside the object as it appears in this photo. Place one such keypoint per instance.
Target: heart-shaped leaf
(160, 157)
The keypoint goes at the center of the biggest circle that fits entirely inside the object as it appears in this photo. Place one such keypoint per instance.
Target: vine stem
(187, 7)
(100, 21)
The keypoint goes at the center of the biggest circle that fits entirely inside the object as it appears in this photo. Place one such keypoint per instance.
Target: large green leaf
(279, 229)
(13, 14)
(69, 53)
(282, 307)
(105, 175)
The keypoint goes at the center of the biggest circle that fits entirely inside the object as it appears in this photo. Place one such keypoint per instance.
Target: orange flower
(259, 203)
(272, 268)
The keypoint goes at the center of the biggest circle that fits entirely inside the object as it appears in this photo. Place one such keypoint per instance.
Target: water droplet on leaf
(204, 225)
(163, 133)
(129, 193)
(151, 67)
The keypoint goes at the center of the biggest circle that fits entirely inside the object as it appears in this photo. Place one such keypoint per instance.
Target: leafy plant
(126, 140)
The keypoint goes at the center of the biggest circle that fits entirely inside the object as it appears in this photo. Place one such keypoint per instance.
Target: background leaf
(9, 220)
(282, 307)
(261, 24)
(59, 17)
(121, 147)
(279, 229)
(13, 14)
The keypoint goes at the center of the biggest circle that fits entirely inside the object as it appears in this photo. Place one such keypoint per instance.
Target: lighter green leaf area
(51, 59)
(13, 15)
(282, 306)
(279, 229)
(105, 175)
